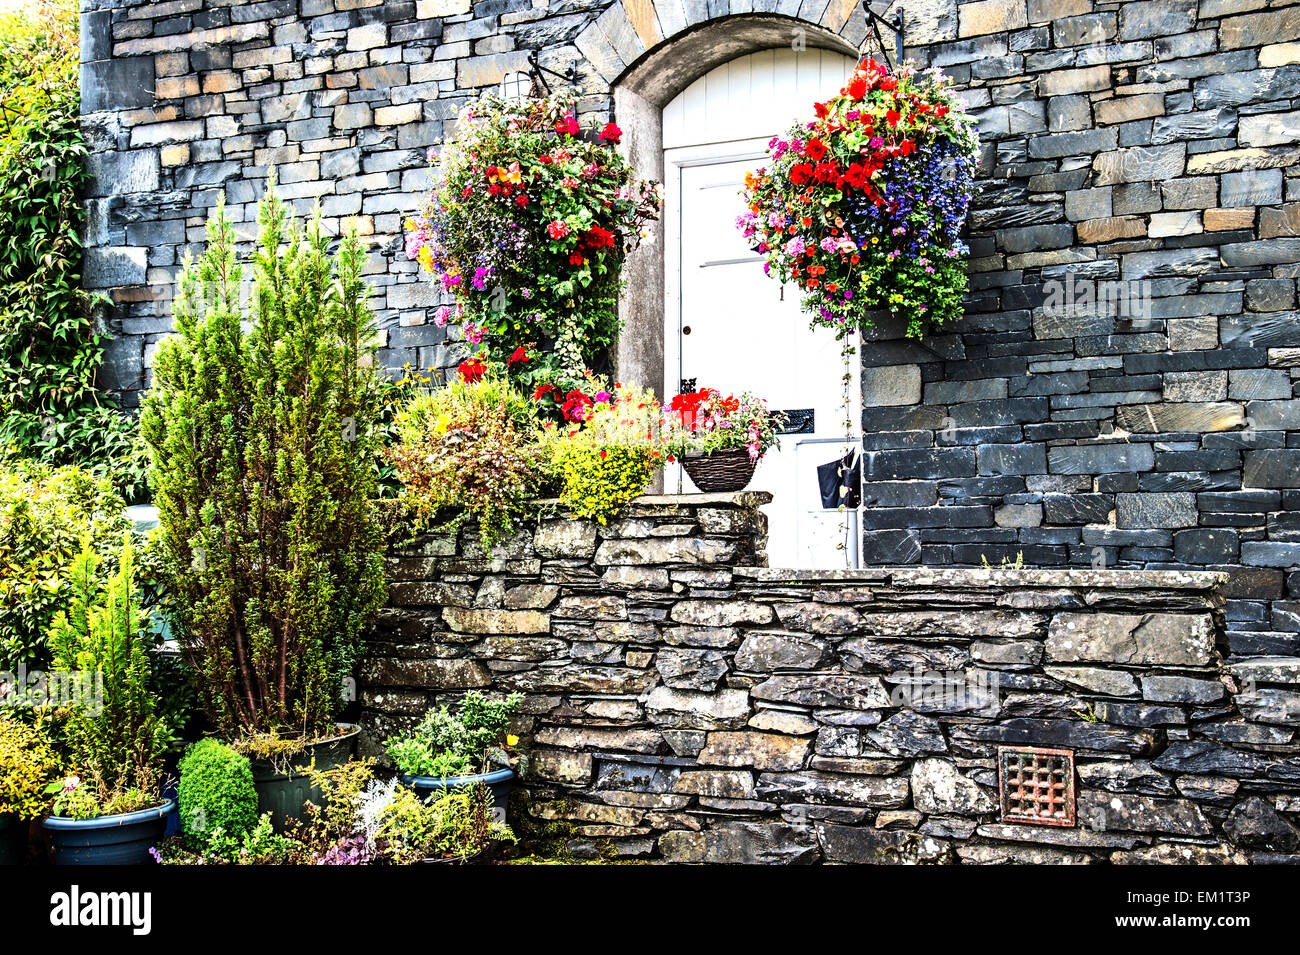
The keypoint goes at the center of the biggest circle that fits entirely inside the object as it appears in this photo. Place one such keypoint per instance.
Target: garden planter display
(729, 470)
(123, 839)
(13, 839)
(499, 781)
(284, 788)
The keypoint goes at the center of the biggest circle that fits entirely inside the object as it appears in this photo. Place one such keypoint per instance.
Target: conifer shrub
(107, 709)
(261, 426)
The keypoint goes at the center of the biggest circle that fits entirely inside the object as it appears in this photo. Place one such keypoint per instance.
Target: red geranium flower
(611, 132)
(520, 354)
(857, 87)
(568, 126)
(815, 149)
(598, 238)
(575, 406)
(473, 369)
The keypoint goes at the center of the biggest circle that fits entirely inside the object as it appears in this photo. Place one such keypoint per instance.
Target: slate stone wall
(1122, 392)
(683, 705)
(1141, 154)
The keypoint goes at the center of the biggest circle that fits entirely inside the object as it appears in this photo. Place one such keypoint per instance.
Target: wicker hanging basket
(729, 470)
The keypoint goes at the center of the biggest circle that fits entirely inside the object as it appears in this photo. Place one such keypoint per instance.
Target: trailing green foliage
(112, 729)
(262, 430)
(45, 515)
(446, 744)
(215, 792)
(50, 349)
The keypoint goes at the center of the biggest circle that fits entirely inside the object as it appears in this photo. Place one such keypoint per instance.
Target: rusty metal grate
(1036, 785)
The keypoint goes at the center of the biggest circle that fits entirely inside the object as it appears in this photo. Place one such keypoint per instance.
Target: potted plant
(864, 205)
(28, 764)
(110, 809)
(527, 226)
(262, 426)
(216, 791)
(455, 750)
(449, 826)
(720, 438)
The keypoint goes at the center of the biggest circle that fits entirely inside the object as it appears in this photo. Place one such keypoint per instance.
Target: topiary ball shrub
(216, 790)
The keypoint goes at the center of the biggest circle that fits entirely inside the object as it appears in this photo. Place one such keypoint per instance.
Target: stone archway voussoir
(673, 16)
(597, 50)
(622, 35)
(641, 14)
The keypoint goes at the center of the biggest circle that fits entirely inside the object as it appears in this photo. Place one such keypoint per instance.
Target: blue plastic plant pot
(500, 781)
(123, 839)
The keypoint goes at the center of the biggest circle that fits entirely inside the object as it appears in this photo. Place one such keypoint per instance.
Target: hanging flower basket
(720, 471)
(527, 226)
(863, 206)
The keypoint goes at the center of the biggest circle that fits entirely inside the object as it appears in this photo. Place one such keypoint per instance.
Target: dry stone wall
(1122, 391)
(683, 703)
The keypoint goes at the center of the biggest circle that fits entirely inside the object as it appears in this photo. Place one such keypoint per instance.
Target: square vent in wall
(1036, 786)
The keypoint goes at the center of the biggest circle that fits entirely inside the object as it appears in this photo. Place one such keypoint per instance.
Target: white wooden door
(727, 325)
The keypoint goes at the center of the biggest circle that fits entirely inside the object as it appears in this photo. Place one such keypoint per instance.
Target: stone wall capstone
(681, 705)
(1123, 389)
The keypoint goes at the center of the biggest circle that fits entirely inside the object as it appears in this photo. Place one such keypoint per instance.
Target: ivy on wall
(50, 350)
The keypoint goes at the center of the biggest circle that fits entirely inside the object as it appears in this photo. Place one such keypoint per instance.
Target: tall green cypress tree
(262, 428)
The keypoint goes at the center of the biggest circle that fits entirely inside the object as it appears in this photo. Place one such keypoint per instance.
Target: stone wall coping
(979, 577)
(733, 499)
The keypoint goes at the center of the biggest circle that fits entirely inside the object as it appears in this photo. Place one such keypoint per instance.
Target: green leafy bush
(112, 730)
(46, 514)
(446, 744)
(259, 845)
(262, 430)
(28, 764)
(50, 348)
(470, 449)
(216, 792)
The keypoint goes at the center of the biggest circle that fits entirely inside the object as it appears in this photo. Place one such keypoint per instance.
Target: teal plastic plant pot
(13, 839)
(123, 839)
(284, 789)
(500, 781)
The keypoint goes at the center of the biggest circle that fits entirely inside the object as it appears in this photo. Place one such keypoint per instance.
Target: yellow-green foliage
(453, 823)
(471, 448)
(609, 459)
(28, 764)
(45, 514)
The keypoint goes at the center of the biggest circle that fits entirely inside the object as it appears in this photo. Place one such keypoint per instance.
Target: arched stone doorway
(748, 334)
(640, 94)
